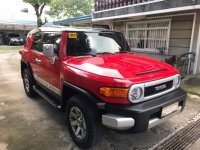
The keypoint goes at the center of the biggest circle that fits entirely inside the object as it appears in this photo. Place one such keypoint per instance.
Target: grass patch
(10, 49)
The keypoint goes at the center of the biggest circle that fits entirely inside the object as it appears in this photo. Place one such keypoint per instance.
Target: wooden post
(98, 5)
(115, 3)
(126, 2)
(111, 4)
(102, 4)
(95, 5)
(130, 2)
(135, 1)
(105, 4)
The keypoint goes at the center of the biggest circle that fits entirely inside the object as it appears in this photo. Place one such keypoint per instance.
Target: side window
(53, 38)
(37, 43)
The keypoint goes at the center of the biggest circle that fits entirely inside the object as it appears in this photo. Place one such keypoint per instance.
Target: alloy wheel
(77, 122)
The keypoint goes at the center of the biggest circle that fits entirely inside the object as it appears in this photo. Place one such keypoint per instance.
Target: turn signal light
(114, 92)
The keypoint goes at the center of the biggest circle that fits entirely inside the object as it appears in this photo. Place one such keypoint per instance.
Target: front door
(49, 74)
(36, 53)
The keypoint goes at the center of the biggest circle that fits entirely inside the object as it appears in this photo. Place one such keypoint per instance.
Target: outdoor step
(48, 98)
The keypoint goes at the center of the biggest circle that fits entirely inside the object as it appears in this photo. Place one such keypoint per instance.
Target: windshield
(92, 43)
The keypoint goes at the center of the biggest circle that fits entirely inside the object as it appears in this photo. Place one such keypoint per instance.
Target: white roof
(15, 26)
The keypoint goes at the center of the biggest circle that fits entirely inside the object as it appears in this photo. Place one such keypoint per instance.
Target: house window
(149, 36)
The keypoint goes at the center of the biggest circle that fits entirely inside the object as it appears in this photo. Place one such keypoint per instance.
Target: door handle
(38, 61)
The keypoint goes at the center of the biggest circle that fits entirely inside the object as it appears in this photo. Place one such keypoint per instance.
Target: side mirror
(48, 51)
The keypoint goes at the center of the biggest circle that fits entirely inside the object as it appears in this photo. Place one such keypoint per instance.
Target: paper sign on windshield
(72, 35)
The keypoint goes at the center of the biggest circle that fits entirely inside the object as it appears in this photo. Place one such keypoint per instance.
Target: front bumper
(140, 117)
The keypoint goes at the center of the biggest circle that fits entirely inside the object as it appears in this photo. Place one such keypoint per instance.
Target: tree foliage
(70, 8)
(38, 6)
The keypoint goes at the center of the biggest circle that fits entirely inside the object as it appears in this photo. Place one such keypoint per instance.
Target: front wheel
(83, 123)
(28, 83)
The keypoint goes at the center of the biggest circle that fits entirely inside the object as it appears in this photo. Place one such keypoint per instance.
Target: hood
(121, 66)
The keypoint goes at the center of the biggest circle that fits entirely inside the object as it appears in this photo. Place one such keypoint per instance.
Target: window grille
(149, 36)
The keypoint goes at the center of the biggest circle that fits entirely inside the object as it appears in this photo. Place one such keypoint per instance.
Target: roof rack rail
(58, 26)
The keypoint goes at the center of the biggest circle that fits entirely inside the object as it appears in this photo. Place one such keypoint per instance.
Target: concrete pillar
(196, 44)
(13, 28)
(24, 30)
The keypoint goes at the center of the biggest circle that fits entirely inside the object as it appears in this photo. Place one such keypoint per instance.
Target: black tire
(28, 83)
(94, 130)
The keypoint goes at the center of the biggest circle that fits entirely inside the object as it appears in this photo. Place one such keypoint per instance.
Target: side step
(48, 98)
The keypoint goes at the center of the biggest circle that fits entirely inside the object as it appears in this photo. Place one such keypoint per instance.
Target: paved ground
(9, 49)
(34, 124)
(195, 146)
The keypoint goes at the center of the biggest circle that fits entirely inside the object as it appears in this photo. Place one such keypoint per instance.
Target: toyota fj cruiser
(93, 76)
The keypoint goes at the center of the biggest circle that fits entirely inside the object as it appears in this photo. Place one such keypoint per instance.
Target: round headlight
(135, 94)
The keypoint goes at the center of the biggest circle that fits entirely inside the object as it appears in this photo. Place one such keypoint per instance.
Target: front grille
(155, 89)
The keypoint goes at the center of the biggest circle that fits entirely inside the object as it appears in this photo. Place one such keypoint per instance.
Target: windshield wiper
(124, 52)
(104, 53)
(83, 54)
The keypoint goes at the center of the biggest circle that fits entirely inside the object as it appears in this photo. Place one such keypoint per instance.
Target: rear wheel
(83, 123)
(28, 83)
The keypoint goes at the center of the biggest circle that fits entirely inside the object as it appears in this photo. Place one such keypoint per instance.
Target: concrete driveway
(33, 124)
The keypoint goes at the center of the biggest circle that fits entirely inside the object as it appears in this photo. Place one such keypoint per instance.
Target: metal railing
(109, 4)
(184, 63)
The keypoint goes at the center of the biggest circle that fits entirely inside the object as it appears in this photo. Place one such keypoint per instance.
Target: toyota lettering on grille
(161, 87)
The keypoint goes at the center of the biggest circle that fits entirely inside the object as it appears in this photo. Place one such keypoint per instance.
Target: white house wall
(180, 36)
(180, 33)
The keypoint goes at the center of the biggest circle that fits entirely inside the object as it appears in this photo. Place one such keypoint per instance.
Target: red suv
(93, 76)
